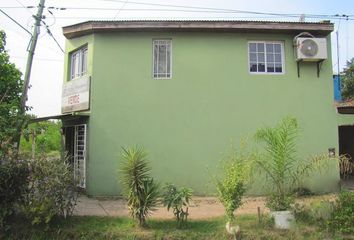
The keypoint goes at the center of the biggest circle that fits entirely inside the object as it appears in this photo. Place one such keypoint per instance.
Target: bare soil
(200, 208)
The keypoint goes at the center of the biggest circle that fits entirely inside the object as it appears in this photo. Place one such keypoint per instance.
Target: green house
(187, 90)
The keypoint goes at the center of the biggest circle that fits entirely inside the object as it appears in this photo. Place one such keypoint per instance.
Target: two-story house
(187, 90)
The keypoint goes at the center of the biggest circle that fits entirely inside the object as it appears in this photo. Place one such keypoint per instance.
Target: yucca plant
(280, 163)
(139, 188)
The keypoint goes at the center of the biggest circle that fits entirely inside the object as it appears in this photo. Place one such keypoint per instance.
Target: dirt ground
(200, 208)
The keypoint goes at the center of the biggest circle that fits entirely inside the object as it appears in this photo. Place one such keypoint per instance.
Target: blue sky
(47, 71)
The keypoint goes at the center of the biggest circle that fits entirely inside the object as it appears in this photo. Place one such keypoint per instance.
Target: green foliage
(13, 184)
(342, 217)
(284, 170)
(93, 227)
(46, 135)
(317, 212)
(10, 99)
(348, 81)
(178, 200)
(280, 162)
(52, 190)
(237, 170)
(139, 188)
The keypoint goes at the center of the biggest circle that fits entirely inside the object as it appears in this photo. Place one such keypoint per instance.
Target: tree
(41, 137)
(348, 81)
(10, 99)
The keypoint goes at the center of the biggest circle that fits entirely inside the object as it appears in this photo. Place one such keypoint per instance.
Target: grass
(126, 229)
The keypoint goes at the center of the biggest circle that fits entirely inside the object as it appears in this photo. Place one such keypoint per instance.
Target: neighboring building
(187, 90)
(337, 88)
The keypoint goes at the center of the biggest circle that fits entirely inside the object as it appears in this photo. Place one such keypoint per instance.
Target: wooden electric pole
(38, 18)
(32, 46)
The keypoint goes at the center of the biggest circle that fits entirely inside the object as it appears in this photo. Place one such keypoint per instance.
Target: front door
(80, 155)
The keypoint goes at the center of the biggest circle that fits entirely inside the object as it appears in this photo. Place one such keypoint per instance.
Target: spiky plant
(280, 164)
(139, 188)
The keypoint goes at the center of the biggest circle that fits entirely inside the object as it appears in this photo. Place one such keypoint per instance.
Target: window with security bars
(78, 63)
(266, 57)
(162, 58)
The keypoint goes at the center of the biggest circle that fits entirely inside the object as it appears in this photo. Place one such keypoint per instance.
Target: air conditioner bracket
(318, 64)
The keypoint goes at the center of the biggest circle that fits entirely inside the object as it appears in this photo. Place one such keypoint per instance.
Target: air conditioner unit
(311, 49)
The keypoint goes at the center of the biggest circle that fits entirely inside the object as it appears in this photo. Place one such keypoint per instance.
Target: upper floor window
(162, 58)
(78, 66)
(266, 57)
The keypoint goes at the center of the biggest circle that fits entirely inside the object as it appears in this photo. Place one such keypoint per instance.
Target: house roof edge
(77, 30)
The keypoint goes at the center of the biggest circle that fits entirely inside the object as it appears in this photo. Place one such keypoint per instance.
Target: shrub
(237, 169)
(342, 217)
(284, 170)
(178, 200)
(52, 190)
(318, 212)
(139, 188)
(13, 184)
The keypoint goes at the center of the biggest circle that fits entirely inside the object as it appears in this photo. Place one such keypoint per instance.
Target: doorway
(75, 146)
(346, 142)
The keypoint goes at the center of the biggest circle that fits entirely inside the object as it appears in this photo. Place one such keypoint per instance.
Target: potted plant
(281, 168)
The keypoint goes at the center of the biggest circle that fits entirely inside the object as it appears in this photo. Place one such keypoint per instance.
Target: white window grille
(78, 66)
(162, 58)
(80, 155)
(266, 57)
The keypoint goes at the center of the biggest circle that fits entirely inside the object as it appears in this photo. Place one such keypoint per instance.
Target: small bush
(139, 188)
(317, 212)
(13, 184)
(237, 170)
(342, 217)
(178, 200)
(52, 190)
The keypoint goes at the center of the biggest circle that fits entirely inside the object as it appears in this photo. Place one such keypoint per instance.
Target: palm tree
(280, 163)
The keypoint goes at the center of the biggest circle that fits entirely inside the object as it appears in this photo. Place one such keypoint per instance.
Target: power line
(51, 34)
(41, 59)
(200, 9)
(24, 7)
(121, 8)
(18, 24)
(14, 7)
(206, 10)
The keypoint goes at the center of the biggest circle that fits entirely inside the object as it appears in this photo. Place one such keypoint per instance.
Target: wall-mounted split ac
(310, 49)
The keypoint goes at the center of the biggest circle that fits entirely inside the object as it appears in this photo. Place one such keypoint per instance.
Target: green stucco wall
(187, 123)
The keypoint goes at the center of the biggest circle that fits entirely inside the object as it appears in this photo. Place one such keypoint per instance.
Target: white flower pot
(283, 219)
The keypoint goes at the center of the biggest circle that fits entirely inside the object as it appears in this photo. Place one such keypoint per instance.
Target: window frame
(153, 58)
(282, 53)
(79, 52)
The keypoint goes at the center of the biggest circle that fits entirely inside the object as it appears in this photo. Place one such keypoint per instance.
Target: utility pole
(32, 46)
(33, 43)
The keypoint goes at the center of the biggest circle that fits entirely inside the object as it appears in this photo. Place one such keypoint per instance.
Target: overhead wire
(16, 22)
(184, 8)
(120, 9)
(24, 7)
(52, 36)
